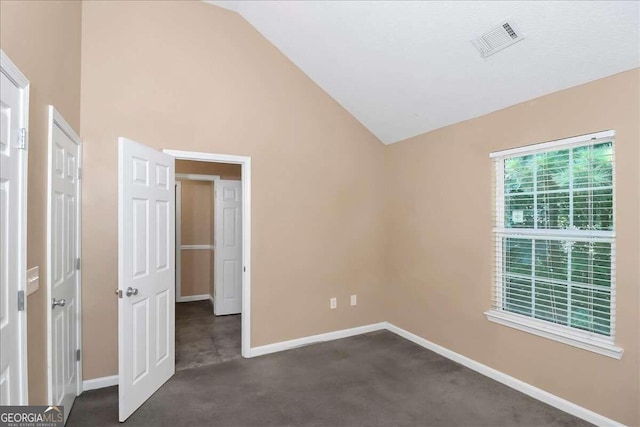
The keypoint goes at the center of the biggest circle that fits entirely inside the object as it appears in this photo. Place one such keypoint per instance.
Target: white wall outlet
(333, 303)
(33, 280)
(354, 299)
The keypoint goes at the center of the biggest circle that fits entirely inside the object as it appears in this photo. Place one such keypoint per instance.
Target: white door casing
(245, 163)
(146, 273)
(14, 113)
(63, 268)
(227, 297)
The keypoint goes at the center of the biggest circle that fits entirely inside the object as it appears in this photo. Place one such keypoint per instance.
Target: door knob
(132, 291)
(58, 302)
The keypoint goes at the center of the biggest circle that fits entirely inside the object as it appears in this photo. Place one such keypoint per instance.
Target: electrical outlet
(333, 303)
(354, 299)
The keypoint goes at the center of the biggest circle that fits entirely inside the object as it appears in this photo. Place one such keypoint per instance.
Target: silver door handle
(58, 302)
(132, 291)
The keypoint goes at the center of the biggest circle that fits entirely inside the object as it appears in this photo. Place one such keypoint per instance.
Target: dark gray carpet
(377, 379)
(204, 339)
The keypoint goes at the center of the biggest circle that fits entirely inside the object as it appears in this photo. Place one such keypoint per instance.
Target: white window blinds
(555, 234)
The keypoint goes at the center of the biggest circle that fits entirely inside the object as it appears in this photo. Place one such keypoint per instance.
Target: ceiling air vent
(496, 39)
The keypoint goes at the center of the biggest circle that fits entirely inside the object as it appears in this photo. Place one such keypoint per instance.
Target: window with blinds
(555, 235)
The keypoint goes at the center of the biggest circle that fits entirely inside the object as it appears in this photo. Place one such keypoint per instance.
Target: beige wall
(198, 223)
(197, 209)
(190, 76)
(439, 242)
(43, 39)
(196, 229)
(196, 272)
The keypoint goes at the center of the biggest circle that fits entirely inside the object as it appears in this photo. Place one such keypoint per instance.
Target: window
(555, 241)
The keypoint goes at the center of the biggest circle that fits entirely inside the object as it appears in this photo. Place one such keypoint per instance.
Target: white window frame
(564, 334)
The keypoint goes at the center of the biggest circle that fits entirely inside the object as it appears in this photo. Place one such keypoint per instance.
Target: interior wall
(43, 39)
(440, 253)
(196, 272)
(191, 76)
(196, 229)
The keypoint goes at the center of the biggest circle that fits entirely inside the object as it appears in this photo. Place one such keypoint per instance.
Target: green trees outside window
(560, 270)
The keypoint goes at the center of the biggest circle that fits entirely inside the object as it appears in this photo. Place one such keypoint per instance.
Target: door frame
(56, 119)
(245, 163)
(179, 246)
(9, 69)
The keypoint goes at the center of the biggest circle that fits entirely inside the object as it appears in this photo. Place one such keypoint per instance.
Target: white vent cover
(496, 39)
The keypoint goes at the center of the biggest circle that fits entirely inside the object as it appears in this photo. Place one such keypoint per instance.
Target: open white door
(14, 110)
(146, 273)
(63, 263)
(227, 297)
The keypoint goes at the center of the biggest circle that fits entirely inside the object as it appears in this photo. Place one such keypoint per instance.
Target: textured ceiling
(405, 68)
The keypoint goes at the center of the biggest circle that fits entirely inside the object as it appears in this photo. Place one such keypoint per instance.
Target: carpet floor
(204, 339)
(376, 379)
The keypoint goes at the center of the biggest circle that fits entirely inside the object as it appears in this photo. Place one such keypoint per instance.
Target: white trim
(178, 251)
(494, 374)
(245, 161)
(516, 384)
(313, 339)
(196, 177)
(56, 119)
(197, 247)
(558, 333)
(14, 74)
(544, 146)
(9, 69)
(191, 298)
(100, 382)
(558, 234)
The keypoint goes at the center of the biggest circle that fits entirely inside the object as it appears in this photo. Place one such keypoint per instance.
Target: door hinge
(20, 300)
(21, 141)
(244, 269)
(78, 355)
(79, 173)
(77, 263)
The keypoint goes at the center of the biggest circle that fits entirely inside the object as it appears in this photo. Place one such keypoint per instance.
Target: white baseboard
(101, 382)
(329, 336)
(211, 298)
(501, 377)
(191, 298)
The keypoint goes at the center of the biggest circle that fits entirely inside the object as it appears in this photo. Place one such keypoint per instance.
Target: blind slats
(554, 228)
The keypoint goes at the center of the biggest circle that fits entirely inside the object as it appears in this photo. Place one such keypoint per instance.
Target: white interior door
(146, 273)
(63, 346)
(227, 297)
(13, 118)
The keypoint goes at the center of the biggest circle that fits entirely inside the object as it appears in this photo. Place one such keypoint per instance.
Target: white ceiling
(405, 68)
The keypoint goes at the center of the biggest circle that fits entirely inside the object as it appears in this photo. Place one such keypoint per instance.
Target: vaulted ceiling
(405, 68)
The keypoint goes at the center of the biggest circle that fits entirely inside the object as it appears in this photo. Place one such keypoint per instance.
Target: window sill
(556, 333)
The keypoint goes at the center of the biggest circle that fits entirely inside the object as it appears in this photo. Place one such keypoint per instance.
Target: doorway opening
(230, 256)
(208, 263)
(146, 265)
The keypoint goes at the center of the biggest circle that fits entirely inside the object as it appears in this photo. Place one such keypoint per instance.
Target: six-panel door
(146, 263)
(64, 173)
(11, 392)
